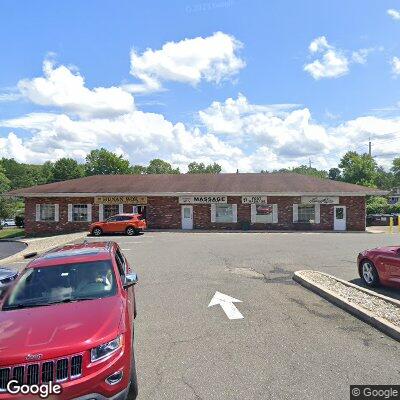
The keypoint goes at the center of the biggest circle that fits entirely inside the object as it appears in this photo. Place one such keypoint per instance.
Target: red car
(68, 320)
(131, 224)
(380, 266)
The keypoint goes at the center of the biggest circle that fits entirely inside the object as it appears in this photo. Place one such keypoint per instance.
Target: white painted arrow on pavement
(226, 302)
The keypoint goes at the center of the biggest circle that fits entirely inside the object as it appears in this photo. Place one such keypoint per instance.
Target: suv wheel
(369, 274)
(130, 231)
(97, 232)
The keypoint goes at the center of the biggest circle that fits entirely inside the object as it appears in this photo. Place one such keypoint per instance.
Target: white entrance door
(187, 217)
(339, 218)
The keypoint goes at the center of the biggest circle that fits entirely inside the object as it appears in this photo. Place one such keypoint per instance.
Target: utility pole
(309, 163)
(370, 147)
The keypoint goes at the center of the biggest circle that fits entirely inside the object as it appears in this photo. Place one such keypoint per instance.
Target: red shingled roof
(250, 183)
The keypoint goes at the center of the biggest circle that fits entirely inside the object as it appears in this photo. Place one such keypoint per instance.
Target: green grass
(9, 233)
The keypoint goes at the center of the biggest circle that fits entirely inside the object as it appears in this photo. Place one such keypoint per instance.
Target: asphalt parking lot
(8, 248)
(291, 344)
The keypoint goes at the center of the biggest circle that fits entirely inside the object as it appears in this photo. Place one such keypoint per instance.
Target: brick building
(276, 201)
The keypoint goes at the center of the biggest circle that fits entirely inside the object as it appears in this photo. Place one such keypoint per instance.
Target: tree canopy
(104, 162)
(200, 168)
(158, 166)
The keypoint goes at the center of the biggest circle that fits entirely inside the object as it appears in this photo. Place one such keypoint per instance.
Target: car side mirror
(130, 280)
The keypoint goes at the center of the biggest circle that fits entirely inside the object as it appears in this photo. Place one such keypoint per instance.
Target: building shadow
(385, 291)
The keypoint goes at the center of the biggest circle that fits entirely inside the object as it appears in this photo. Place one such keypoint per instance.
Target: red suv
(131, 224)
(68, 320)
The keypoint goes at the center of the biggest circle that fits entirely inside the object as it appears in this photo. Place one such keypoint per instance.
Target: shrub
(19, 221)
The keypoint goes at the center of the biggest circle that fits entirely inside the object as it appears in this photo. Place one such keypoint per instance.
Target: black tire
(369, 274)
(130, 231)
(5, 224)
(97, 232)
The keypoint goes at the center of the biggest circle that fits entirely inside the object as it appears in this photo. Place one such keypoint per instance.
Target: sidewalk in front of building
(383, 229)
(43, 244)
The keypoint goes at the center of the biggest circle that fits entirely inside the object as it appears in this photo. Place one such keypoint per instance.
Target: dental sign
(120, 200)
(320, 200)
(202, 200)
(254, 199)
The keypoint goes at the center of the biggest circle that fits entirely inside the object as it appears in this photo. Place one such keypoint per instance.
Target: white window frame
(274, 219)
(71, 212)
(104, 216)
(214, 218)
(317, 213)
(39, 212)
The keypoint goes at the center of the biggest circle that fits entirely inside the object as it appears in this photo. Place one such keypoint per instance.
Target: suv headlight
(106, 349)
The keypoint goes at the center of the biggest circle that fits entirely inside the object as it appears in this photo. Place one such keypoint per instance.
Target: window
(54, 284)
(47, 212)
(223, 213)
(306, 213)
(119, 258)
(263, 213)
(109, 210)
(122, 218)
(80, 212)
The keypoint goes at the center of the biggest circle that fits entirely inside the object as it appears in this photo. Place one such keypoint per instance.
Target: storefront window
(79, 212)
(47, 212)
(306, 213)
(109, 210)
(223, 213)
(263, 213)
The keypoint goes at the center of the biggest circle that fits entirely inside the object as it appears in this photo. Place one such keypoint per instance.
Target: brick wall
(165, 213)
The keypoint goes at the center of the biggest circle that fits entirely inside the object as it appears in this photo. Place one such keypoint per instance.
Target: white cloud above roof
(212, 59)
(395, 14)
(62, 88)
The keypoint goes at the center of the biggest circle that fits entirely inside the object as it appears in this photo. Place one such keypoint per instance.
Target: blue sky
(329, 108)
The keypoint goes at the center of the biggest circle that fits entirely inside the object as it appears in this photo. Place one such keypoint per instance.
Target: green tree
(200, 168)
(335, 174)
(384, 179)
(158, 166)
(377, 205)
(396, 171)
(23, 175)
(5, 203)
(67, 168)
(305, 170)
(360, 169)
(104, 162)
(47, 171)
(138, 169)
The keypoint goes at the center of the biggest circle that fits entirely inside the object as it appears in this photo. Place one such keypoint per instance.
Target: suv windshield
(62, 283)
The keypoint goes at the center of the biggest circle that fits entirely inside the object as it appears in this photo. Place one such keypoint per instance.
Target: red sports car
(380, 266)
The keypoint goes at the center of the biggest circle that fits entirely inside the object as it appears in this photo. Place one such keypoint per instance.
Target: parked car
(380, 266)
(7, 277)
(7, 222)
(77, 306)
(130, 224)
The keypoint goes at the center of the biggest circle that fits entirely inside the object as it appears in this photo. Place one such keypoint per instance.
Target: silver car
(7, 277)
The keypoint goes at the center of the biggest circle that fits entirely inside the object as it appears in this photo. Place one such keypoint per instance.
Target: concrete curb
(41, 245)
(365, 315)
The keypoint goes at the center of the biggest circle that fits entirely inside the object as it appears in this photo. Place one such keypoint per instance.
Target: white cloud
(319, 44)
(286, 132)
(62, 88)
(332, 64)
(396, 65)
(395, 14)
(234, 133)
(360, 56)
(213, 59)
